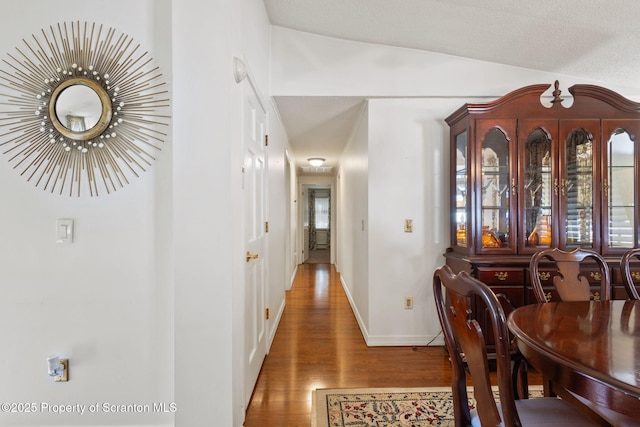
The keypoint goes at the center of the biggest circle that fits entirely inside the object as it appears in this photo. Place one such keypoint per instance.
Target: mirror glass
(495, 189)
(577, 189)
(78, 108)
(537, 188)
(461, 189)
(621, 172)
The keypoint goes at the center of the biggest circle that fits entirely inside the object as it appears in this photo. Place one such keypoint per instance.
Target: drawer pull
(547, 296)
(635, 275)
(544, 275)
(502, 275)
(596, 275)
(595, 296)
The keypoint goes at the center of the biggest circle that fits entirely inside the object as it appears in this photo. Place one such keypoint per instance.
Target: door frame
(304, 182)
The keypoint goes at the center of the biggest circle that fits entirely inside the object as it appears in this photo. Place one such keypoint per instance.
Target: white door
(254, 188)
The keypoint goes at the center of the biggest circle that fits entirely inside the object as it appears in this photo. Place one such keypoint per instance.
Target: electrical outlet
(408, 226)
(408, 302)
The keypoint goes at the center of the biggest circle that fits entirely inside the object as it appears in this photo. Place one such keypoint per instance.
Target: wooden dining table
(591, 349)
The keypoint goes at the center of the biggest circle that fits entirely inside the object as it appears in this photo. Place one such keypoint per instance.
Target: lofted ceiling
(592, 39)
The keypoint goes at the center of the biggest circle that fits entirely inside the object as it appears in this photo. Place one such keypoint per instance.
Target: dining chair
(519, 367)
(564, 269)
(453, 298)
(625, 268)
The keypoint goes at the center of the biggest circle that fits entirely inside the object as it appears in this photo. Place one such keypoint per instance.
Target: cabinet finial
(556, 93)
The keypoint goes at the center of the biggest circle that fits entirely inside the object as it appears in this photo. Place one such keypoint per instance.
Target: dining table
(590, 348)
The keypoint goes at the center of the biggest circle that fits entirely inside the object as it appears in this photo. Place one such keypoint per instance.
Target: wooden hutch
(527, 176)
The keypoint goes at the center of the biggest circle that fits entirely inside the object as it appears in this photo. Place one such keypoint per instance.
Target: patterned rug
(387, 407)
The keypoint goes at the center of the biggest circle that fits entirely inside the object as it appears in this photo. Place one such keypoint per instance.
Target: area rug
(319, 256)
(387, 407)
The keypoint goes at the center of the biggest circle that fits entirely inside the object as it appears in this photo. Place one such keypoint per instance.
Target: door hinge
(267, 313)
(266, 140)
(266, 227)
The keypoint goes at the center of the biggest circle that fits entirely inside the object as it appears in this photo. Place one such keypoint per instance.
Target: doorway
(317, 224)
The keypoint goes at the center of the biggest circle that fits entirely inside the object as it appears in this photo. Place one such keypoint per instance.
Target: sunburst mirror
(81, 109)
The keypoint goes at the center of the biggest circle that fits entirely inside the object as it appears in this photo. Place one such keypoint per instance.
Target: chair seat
(544, 411)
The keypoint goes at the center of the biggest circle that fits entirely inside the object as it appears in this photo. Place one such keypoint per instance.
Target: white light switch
(64, 231)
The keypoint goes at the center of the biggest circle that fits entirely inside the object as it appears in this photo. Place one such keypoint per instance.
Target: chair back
(569, 281)
(625, 268)
(463, 334)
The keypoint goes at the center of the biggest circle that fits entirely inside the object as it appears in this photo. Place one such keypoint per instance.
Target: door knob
(251, 256)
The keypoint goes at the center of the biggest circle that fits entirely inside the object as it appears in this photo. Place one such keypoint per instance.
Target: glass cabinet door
(538, 191)
(462, 190)
(619, 220)
(577, 187)
(497, 180)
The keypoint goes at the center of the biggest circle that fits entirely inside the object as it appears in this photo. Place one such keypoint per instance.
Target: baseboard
(354, 308)
(292, 278)
(389, 340)
(404, 340)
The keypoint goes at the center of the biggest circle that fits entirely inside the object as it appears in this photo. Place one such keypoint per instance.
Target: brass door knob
(251, 256)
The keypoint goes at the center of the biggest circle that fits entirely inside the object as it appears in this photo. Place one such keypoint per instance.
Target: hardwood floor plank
(319, 345)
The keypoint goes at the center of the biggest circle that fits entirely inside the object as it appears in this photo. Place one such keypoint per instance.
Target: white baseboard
(354, 308)
(403, 340)
(292, 278)
(389, 340)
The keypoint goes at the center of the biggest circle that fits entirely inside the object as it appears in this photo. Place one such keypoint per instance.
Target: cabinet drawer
(616, 276)
(547, 274)
(618, 290)
(501, 276)
(552, 295)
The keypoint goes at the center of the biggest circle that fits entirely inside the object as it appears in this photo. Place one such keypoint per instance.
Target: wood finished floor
(319, 345)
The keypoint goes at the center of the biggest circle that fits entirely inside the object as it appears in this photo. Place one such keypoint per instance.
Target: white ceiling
(593, 39)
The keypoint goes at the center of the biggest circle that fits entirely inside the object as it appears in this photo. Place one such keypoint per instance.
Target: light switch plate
(64, 230)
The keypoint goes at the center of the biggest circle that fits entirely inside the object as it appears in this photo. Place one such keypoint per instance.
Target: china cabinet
(532, 171)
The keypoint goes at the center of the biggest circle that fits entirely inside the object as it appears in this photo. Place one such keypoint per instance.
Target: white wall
(353, 221)
(104, 301)
(147, 301)
(293, 252)
(408, 176)
(203, 233)
(209, 241)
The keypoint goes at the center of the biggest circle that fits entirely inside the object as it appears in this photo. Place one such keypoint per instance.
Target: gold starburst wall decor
(81, 109)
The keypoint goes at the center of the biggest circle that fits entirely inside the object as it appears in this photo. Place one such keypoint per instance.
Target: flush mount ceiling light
(81, 109)
(316, 161)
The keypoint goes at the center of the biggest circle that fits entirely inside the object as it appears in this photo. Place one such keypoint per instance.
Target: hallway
(319, 345)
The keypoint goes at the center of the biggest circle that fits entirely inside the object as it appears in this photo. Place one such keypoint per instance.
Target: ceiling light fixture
(316, 161)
